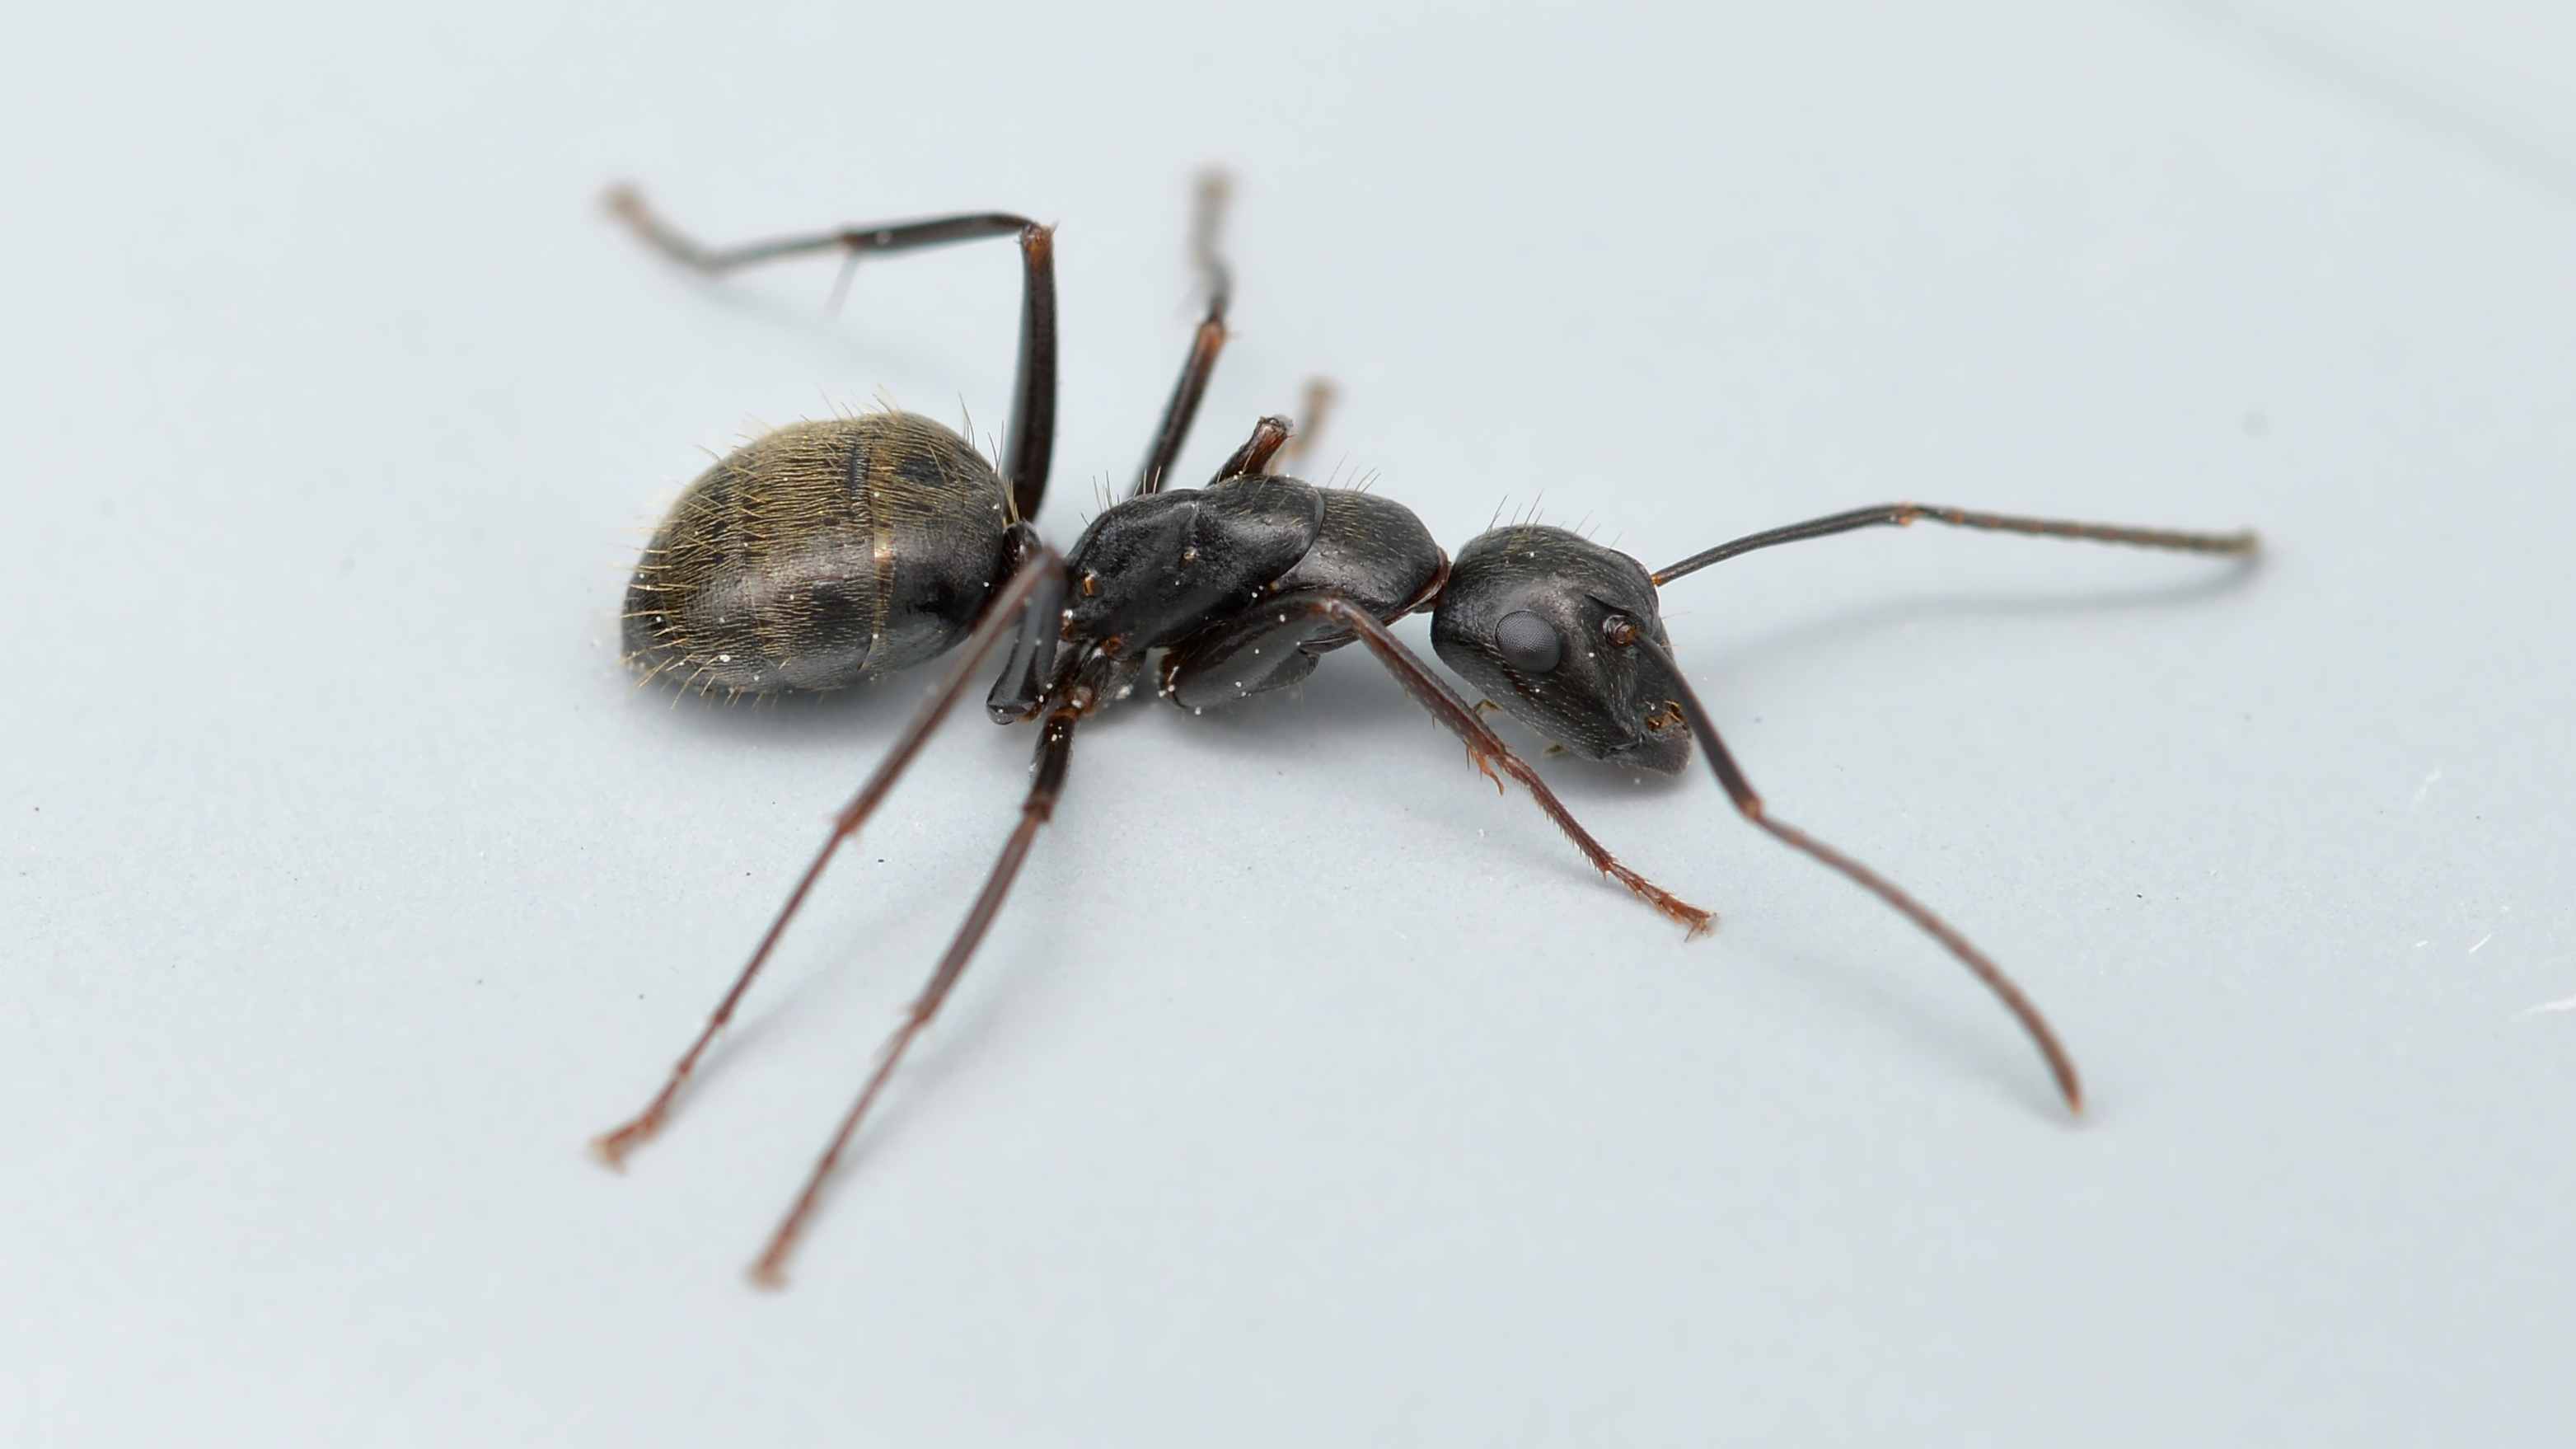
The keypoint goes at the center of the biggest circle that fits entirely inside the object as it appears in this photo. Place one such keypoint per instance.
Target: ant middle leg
(1029, 444)
(1255, 456)
(1215, 188)
(1268, 638)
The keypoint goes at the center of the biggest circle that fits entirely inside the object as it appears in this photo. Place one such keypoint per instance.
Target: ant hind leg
(1029, 447)
(1054, 754)
(1040, 586)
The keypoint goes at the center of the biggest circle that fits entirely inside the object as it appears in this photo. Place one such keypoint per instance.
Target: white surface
(1306, 1091)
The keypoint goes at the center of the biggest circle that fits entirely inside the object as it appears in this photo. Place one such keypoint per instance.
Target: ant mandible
(826, 553)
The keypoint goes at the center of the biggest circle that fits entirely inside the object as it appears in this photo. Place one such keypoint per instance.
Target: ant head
(1546, 623)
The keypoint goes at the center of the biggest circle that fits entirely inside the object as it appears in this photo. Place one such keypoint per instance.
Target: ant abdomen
(819, 555)
(1544, 622)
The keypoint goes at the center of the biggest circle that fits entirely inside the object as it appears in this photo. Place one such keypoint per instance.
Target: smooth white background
(1307, 1091)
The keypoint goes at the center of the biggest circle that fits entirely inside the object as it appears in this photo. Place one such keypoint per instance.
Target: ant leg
(1740, 790)
(1310, 422)
(1214, 188)
(1313, 618)
(1253, 458)
(1030, 444)
(1040, 585)
(1055, 751)
(1901, 514)
(1261, 453)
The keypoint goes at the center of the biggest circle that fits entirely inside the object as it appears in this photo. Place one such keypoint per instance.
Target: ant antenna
(1898, 515)
(1623, 632)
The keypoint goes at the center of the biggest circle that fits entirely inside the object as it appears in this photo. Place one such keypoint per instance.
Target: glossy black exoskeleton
(827, 553)
(1220, 579)
(1528, 617)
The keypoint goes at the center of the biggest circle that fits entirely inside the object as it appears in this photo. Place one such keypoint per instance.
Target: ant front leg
(1029, 445)
(1267, 647)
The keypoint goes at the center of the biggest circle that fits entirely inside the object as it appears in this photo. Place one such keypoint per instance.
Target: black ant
(830, 552)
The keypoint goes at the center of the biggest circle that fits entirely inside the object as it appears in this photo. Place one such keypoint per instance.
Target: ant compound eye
(1528, 642)
(1620, 630)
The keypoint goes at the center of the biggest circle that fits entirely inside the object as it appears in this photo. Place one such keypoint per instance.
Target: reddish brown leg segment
(1486, 750)
(1256, 454)
(1055, 751)
(1206, 219)
(1040, 580)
